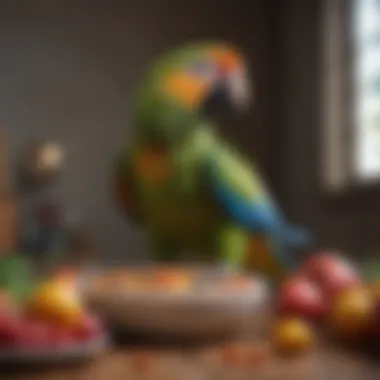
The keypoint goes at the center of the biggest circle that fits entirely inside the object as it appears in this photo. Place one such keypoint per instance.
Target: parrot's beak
(239, 91)
(234, 79)
(231, 94)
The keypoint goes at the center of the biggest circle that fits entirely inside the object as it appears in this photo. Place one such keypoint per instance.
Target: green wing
(242, 195)
(239, 190)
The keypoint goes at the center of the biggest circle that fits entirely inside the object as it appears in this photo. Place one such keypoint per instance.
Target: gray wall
(68, 72)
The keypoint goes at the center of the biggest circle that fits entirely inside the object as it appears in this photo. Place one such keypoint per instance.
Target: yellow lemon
(57, 303)
(292, 336)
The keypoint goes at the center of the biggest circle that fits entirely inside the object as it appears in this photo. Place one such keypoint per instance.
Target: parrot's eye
(204, 69)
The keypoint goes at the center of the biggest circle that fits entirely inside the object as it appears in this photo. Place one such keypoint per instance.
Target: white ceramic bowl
(203, 310)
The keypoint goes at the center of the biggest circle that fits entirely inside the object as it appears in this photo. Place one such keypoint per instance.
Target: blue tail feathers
(287, 242)
(297, 238)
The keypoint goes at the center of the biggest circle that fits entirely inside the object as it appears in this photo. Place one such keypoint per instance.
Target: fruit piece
(117, 279)
(88, 328)
(67, 277)
(60, 337)
(65, 274)
(318, 264)
(258, 356)
(340, 278)
(238, 354)
(170, 279)
(56, 303)
(11, 328)
(237, 283)
(33, 334)
(351, 313)
(300, 296)
(142, 362)
(332, 272)
(231, 355)
(292, 336)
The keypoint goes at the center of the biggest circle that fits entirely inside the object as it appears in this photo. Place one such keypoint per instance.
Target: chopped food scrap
(245, 355)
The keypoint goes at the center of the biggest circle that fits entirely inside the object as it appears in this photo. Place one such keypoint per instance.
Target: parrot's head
(189, 86)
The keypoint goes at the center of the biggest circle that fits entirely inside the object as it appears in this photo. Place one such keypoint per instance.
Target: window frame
(338, 96)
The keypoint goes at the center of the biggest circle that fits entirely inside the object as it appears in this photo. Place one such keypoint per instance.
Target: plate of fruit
(52, 324)
(178, 300)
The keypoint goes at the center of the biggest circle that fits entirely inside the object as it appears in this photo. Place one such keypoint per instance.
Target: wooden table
(157, 359)
(157, 362)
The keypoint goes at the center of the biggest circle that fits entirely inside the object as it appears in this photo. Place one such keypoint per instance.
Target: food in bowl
(171, 280)
(167, 280)
(114, 281)
(231, 284)
(237, 283)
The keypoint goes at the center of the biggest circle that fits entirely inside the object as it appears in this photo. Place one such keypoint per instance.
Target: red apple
(60, 338)
(331, 272)
(88, 328)
(339, 277)
(39, 333)
(33, 334)
(318, 264)
(299, 296)
(11, 328)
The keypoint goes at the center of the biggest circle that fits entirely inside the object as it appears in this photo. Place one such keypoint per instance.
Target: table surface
(157, 362)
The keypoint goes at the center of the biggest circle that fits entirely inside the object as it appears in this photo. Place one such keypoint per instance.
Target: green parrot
(190, 189)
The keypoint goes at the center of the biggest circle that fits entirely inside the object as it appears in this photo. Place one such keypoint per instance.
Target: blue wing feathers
(256, 214)
(253, 215)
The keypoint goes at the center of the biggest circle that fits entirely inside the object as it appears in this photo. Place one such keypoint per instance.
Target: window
(366, 35)
(351, 146)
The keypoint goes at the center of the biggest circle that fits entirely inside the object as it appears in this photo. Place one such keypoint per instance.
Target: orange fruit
(351, 313)
(292, 336)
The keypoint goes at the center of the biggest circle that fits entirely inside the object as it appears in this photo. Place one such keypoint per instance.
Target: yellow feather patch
(188, 89)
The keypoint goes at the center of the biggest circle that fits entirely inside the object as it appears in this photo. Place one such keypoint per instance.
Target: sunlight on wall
(366, 32)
